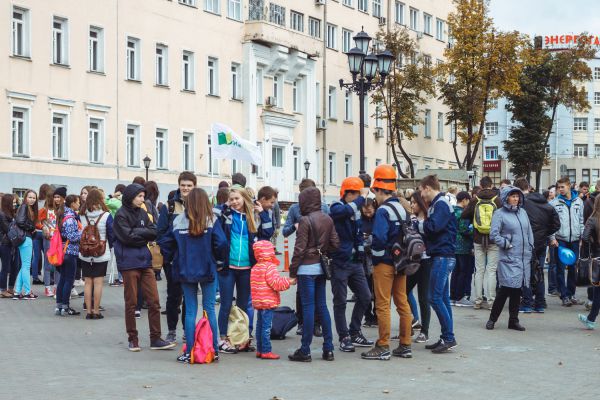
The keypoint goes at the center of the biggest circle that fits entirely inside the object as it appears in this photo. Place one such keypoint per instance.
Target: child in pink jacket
(265, 285)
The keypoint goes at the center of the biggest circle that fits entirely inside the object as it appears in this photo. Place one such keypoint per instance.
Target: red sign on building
(491, 166)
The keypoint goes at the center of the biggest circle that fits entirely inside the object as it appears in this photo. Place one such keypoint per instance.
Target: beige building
(92, 87)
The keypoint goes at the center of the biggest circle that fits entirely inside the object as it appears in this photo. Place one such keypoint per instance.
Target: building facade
(90, 91)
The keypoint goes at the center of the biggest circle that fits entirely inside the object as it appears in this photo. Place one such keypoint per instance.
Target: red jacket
(265, 282)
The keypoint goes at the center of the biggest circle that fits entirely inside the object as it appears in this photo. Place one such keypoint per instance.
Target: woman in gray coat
(511, 231)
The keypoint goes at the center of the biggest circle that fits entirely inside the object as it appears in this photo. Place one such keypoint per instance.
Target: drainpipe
(387, 140)
(324, 105)
(117, 130)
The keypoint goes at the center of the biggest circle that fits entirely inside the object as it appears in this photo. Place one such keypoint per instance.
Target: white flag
(229, 145)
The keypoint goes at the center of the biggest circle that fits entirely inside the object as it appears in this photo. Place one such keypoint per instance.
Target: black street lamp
(146, 161)
(364, 68)
(306, 167)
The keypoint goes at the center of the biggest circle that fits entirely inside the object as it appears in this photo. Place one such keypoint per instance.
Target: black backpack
(284, 320)
(408, 248)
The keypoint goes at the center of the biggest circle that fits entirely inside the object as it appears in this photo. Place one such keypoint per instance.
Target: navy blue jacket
(293, 217)
(266, 230)
(439, 229)
(386, 229)
(346, 220)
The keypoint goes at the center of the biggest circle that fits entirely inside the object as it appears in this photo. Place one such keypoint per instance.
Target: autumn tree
(409, 85)
(482, 64)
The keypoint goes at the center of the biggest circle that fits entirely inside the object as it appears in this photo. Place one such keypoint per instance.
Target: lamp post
(146, 161)
(306, 167)
(364, 67)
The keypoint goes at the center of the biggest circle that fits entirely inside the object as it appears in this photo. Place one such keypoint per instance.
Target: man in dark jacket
(588, 205)
(133, 229)
(544, 222)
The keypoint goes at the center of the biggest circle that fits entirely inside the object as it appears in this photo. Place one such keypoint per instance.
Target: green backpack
(484, 209)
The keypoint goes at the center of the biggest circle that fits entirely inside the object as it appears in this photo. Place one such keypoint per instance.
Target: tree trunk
(538, 169)
(397, 160)
(454, 146)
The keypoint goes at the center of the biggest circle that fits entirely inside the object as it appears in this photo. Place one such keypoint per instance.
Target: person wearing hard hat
(347, 264)
(387, 284)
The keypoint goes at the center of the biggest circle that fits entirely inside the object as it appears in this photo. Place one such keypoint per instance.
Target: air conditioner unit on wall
(382, 21)
(319, 2)
(271, 101)
(321, 123)
(419, 35)
(378, 133)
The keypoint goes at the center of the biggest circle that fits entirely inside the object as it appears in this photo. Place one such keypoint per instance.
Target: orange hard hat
(351, 183)
(384, 177)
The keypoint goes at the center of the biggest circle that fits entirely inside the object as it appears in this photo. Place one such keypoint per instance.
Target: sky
(547, 17)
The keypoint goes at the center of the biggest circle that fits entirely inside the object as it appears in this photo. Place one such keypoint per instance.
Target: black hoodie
(588, 206)
(543, 218)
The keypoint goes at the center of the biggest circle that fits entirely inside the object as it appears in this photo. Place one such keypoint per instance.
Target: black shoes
(359, 340)
(300, 357)
(433, 345)
(328, 355)
(346, 345)
(516, 326)
(489, 325)
(444, 347)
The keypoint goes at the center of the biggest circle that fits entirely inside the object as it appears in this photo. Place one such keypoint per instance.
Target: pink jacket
(265, 282)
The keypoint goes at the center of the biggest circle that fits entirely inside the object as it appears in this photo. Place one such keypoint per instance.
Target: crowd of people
(481, 248)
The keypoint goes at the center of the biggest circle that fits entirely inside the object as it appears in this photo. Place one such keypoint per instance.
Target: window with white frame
(378, 115)
(213, 76)
(596, 124)
(278, 90)
(399, 13)
(347, 165)
(161, 148)
(331, 38)
(297, 169)
(236, 85)
(580, 124)
(346, 40)
(440, 126)
(295, 96)
(20, 131)
(331, 102)
(377, 8)
(59, 136)
(20, 32)
(595, 175)
(188, 2)
(580, 150)
(95, 140)
(413, 18)
(213, 163)
(187, 151)
(596, 73)
(96, 49)
(347, 106)
(331, 164)
(572, 174)
(363, 5)
(187, 70)
(60, 41)
(259, 86)
(347, 3)
(234, 9)
(314, 27)
(297, 21)
(378, 162)
(439, 29)
(132, 145)
(491, 153)
(277, 156)
(161, 61)
(585, 175)
(491, 128)
(133, 59)
(427, 123)
(235, 166)
(597, 150)
(596, 98)
(212, 6)
(426, 24)
(277, 14)
(493, 104)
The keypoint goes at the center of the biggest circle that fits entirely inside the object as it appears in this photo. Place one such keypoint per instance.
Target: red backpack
(56, 251)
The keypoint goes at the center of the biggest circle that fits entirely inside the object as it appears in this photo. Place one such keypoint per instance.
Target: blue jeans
(439, 294)
(9, 267)
(38, 245)
(349, 275)
(49, 269)
(190, 293)
(24, 278)
(528, 292)
(65, 283)
(314, 299)
(228, 280)
(552, 286)
(568, 290)
(250, 312)
(412, 302)
(264, 320)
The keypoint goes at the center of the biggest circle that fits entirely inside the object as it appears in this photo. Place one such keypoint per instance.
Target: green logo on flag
(225, 138)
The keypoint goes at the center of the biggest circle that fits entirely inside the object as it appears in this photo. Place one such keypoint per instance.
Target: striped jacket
(265, 282)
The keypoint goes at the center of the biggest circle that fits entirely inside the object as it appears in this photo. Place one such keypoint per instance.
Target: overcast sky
(547, 17)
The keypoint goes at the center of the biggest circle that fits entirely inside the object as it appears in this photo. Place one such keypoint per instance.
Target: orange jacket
(265, 282)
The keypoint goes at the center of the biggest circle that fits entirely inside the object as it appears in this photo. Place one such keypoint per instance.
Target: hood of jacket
(309, 200)
(130, 193)
(487, 194)
(536, 198)
(574, 195)
(507, 191)
(264, 252)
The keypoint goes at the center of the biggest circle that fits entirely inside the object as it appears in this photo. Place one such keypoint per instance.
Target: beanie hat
(61, 191)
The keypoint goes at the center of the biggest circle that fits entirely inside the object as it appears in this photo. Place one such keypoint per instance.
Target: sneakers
(452, 302)
(16, 296)
(48, 292)
(116, 283)
(134, 346)
(402, 351)
(489, 325)
(588, 305)
(566, 302)
(346, 345)
(327, 355)
(516, 326)
(539, 310)
(359, 340)
(377, 353)
(171, 337)
(318, 332)
(30, 296)
(433, 345)
(421, 338)
(5, 294)
(576, 302)
(160, 344)
(79, 282)
(269, 356)
(587, 323)
(554, 293)
(416, 324)
(68, 311)
(464, 302)
(526, 310)
(444, 347)
(226, 347)
(298, 356)
(138, 314)
(299, 330)
(488, 305)
(184, 358)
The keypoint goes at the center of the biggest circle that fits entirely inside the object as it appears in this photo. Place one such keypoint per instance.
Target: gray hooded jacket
(511, 231)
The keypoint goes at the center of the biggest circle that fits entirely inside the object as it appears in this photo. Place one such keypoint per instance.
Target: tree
(408, 86)
(482, 64)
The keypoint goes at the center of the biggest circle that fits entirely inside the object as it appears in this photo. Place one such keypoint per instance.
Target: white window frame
(580, 150)
(191, 3)
(596, 73)
(331, 37)
(188, 72)
(348, 106)
(347, 165)
(332, 102)
(212, 6)
(132, 150)
(597, 124)
(427, 21)
(278, 82)
(96, 139)
(399, 10)
(597, 98)
(440, 126)
(413, 20)
(236, 82)
(580, 124)
(96, 49)
(378, 113)
(161, 68)
(377, 8)
(21, 124)
(187, 150)
(133, 57)
(161, 146)
(331, 164)
(346, 40)
(234, 9)
(363, 5)
(213, 163)
(347, 3)
(20, 35)
(296, 21)
(278, 156)
(596, 154)
(60, 41)
(491, 152)
(427, 124)
(491, 128)
(440, 26)
(296, 96)
(212, 76)
(60, 148)
(297, 156)
(314, 27)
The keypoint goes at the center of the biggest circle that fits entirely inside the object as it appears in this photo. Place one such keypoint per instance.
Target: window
(188, 2)
(595, 175)
(347, 3)
(59, 136)
(259, 86)
(297, 21)
(346, 40)
(213, 163)
(161, 148)
(95, 139)
(235, 166)
(330, 39)
(297, 168)
(212, 6)
(439, 29)
(133, 59)
(580, 124)
(60, 41)
(278, 90)
(427, 60)
(378, 162)
(363, 5)
(597, 124)
(414, 15)
(572, 175)
(596, 73)
(491, 128)
(213, 76)
(426, 24)
(493, 103)
(347, 106)
(596, 98)
(20, 32)
(331, 102)
(96, 49)
(440, 126)
(427, 123)
(491, 153)
(236, 86)
(295, 97)
(277, 156)
(20, 131)
(348, 165)
(399, 13)
(314, 27)
(187, 71)
(187, 151)
(277, 14)
(331, 162)
(597, 150)
(585, 175)
(378, 119)
(377, 8)
(161, 64)
(580, 150)
(234, 9)
(132, 145)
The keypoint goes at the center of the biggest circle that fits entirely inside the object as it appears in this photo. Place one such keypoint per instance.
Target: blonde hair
(248, 208)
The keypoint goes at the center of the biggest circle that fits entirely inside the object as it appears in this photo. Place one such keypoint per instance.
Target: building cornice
(61, 102)
(20, 95)
(97, 107)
